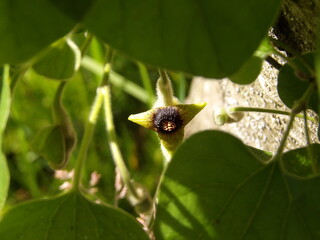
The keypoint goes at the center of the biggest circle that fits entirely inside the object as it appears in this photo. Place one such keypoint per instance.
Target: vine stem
(266, 110)
(110, 127)
(309, 146)
(113, 143)
(86, 139)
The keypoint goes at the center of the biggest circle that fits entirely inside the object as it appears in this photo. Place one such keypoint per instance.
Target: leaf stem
(284, 138)
(266, 110)
(86, 139)
(146, 82)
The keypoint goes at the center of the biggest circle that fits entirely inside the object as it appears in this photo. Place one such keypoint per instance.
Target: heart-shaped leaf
(209, 38)
(68, 217)
(224, 192)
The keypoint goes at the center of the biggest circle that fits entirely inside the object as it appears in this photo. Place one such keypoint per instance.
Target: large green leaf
(68, 217)
(26, 27)
(215, 188)
(5, 103)
(209, 38)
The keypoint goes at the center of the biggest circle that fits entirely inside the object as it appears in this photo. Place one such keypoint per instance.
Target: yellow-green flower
(169, 123)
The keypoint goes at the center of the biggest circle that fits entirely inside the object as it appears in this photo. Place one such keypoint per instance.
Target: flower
(169, 123)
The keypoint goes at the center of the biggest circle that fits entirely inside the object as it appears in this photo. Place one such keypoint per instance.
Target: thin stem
(164, 88)
(86, 139)
(146, 82)
(284, 138)
(309, 146)
(107, 66)
(266, 110)
(273, 62)
(113, 142)
(112, 136)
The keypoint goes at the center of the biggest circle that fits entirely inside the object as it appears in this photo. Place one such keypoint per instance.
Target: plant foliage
(77, 174)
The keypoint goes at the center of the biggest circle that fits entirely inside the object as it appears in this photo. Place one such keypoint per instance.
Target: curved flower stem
(86, 139)
(266, 110)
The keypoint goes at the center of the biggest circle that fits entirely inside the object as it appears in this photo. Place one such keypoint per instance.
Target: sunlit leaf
(26, 27)
(68, 217)
(208, 38)
(224, 192)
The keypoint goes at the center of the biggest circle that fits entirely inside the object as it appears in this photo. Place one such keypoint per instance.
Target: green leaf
(215, 188)
(60, 61)
(49, 144)
(4, 114)
(298, 163)
(208, 38)
(68, 217)
(248, 72)
(26, 27)
(291, 88)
